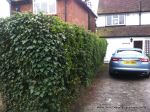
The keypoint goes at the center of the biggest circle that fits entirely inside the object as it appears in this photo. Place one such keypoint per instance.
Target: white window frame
(117, 19)
(35, 11)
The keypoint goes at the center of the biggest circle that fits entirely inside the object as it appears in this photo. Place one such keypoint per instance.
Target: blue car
(129, 61)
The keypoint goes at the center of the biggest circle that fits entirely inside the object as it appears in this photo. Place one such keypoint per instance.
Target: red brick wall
(27, 7)
(75, 13)
(23, 7)
(61, 9)
(92, 23)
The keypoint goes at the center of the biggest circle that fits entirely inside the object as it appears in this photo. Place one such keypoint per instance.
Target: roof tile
(122, 31)
(121, 6)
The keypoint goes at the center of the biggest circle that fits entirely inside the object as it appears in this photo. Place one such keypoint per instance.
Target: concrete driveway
(119, 94)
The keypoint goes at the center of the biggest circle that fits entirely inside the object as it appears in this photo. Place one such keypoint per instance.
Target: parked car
(129, 61)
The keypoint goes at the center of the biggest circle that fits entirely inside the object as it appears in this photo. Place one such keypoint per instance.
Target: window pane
(115, 21)
(115, 16)
(121, 19)
(36, 8)
(109, 19)
(44, 4)
(52, 6)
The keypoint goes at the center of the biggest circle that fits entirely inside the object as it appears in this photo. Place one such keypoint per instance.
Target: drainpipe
(89, 22)
(65, 10)
(140, 13)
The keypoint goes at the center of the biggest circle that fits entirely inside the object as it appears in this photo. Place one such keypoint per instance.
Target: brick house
(125, 24)
(72, 11)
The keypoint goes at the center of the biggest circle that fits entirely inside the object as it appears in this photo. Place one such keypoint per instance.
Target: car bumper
(140, 71)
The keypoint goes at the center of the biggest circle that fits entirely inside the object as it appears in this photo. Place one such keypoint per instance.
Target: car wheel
(111, 73)
(147, 76)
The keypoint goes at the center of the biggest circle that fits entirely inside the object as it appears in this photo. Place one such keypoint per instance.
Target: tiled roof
(86, 7)
(121, 6)
(125, 31)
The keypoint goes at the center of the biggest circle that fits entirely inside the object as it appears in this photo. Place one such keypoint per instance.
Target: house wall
(92, 24)
(26, 8)
(76, 14)
(121, 42)
(22, 7)
(130, 19)
(61, 9)
(29, 8)
(101, 21)
(113, 44)
(145, 18)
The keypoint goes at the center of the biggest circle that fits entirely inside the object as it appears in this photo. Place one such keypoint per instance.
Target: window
(147, 47)
(115, 20)
(45, 6)
(134, 51)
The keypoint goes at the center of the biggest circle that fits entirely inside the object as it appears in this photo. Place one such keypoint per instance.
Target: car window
(139, 51)
(135, 52)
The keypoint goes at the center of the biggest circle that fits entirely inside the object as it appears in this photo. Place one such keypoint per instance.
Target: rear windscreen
(129, 53)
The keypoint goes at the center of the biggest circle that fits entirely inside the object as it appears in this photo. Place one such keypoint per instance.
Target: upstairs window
(44, 6)
(115, 20)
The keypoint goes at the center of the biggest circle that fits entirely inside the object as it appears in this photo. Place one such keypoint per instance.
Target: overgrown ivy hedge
(44, 61)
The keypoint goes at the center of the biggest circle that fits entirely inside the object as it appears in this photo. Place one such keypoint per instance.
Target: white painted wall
(101, 21)
(124, 42)
(115, 43)
(132, 19)
(145, 18)
(4, 8)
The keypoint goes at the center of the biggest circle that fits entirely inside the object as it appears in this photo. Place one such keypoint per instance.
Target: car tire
(111, 74)
(147, 76)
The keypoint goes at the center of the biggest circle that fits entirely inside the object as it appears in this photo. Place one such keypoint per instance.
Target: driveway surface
(115, 94)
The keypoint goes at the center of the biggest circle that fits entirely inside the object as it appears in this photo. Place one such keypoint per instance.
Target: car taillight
(115, 59)
(144, 59)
